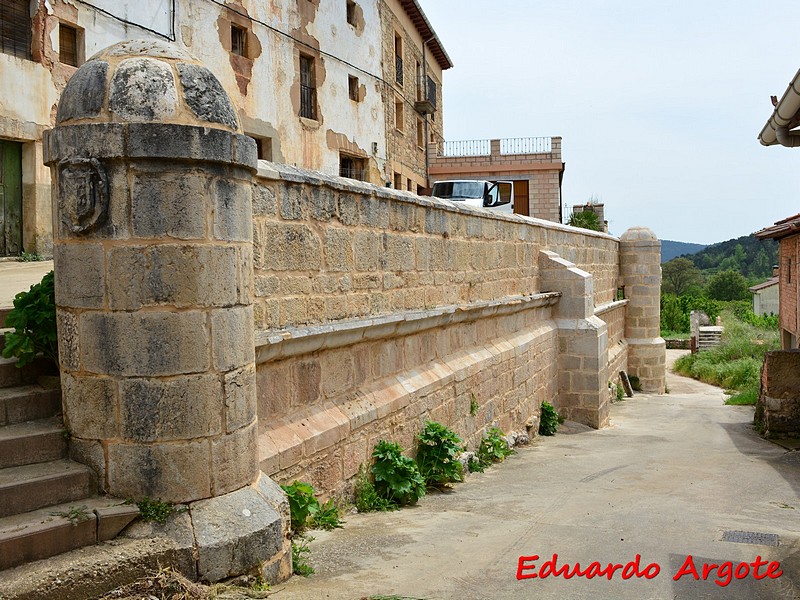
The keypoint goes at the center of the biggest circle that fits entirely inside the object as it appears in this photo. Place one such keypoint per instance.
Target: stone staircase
(48, 503)
(709, 336)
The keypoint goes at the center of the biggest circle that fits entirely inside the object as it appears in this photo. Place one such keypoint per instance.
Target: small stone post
(153, 272)
(640, 269)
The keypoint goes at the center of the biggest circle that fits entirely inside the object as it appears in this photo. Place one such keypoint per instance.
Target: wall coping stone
(608, 307)
(278, 344)
(282, 172)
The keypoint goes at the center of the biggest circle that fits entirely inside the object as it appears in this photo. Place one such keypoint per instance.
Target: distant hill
(749, 256)
(670, 249)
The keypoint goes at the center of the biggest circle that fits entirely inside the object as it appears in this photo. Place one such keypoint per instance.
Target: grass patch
(734, 365)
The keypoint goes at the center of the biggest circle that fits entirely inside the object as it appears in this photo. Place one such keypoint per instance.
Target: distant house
(766, 297)
(787, 234)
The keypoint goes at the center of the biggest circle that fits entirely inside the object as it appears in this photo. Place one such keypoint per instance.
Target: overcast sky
(659, 103)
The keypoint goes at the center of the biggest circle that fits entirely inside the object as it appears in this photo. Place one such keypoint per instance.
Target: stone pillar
(153, 272)
(640, 270)
(583, 394)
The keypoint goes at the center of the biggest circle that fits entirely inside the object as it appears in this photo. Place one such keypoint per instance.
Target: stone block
(68, 340)
(233, 216)
(169, 206)
(143, 89)
(175, 472)
(338, 250)
(233, 334)
(367, 250)
(113, 519)
(306, 378)
(234, 459)
(157, 140)
(178, 275)
(348, 209)
(275, 390)
(264, 201)
(205, 96)
(145, 344)
(234, 532)
(322, 203)
(85, 93)
(337, 372)
(239, 389)
(286, 247)
(173, 409)
(294, 203)
(91, 454)
(79, 275)
(90, 406)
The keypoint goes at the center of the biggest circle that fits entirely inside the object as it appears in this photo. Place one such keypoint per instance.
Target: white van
(496, 195)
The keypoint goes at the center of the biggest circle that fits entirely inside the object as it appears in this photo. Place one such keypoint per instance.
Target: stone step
(28, 487)
(32, 442)
(28, 403)
(11, 375)
(60, 528)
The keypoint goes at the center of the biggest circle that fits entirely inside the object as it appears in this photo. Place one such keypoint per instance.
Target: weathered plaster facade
(256, 49)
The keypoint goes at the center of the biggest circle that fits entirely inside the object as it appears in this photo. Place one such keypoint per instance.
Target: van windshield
(458, 190)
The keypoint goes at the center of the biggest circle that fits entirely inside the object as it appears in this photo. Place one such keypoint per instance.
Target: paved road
(18, 277)
(666, 480)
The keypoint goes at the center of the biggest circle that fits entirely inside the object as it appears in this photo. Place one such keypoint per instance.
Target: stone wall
(377, 310)
(778, 407)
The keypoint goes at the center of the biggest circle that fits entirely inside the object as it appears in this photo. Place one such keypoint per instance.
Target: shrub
(493, 448)
(306, 510)
(34, 321)
(548, 421)
(438, 448)
(397, 477)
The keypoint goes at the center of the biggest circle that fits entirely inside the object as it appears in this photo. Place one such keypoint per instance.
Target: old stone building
(314, 82)
(413, 61)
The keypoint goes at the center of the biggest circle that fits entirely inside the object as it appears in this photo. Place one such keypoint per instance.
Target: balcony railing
(508, 146)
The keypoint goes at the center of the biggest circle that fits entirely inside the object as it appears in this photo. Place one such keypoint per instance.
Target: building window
(308, 90)
(352, 167)
(418, 81)
(398, 59)
(68, 45)
(263, 147)
(352, 88)
(398, 181)
(398, 115)
(351, 12)
(238, 40)
(409, 185)
(420, 133)
(15, 28)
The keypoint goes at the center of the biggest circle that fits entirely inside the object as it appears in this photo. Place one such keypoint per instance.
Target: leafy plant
(300, 564)
(367, 499)
(636, 385)
(473, 406)
(397, 477)
(548, 420)
(30, 257)
(438, 448)
(154, 510)
(585, 220)
(306, 510)
(34, 321)
(493, 448)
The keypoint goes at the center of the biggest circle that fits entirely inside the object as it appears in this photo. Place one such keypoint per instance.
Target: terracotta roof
(768, 283)
(781, 229)
(425, 29)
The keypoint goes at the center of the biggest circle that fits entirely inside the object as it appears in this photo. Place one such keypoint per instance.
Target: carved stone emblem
(83, 193)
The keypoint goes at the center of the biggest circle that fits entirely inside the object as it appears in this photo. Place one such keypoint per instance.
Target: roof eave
(784, 115)
(425, 29)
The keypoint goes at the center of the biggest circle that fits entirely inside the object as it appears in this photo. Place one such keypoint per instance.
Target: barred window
(15, 28)
(308, 89)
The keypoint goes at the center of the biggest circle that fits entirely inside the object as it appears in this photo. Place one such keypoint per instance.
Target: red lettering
(593, 570)
(756, 564)
(522, 566)
(549, 567)
(576, 570)
(707, 568)
(725, 571)
(634, 564)
(740, 575)
(771, 570)
(651, 570)
(686, 568)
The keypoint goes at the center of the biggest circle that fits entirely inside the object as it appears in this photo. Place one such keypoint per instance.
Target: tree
(727, 285)
(678, 275)
(586, 220)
